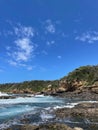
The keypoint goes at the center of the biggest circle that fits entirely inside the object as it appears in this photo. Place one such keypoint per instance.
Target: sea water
(12, 110)
(38, 109)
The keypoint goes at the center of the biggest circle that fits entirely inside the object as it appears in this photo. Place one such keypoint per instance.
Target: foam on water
(46, 116)
(39, 105)
(12, 107)
(72, 105)
(3, 94)
(18, 100)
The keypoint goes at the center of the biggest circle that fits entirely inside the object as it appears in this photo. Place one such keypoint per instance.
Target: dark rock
(85, 112)
(7, 97)
(54, 126)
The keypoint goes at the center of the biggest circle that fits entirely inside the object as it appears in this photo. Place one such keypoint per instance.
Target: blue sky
(46, 39)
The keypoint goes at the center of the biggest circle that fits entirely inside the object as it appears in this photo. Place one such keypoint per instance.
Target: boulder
(77, 128)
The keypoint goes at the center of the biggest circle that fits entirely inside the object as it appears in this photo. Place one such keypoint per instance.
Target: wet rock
(87, 110)
(54, 126)
(7, 97)
(24, 127)
(86, 113)
(85, 95)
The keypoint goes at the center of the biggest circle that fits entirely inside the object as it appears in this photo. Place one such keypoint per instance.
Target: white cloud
(50, 42)
(13, 63)
(90, 37)
(50, 27)
(24, 49)
(59, 57)
(23, 31)
(20, 31)
(23, 65)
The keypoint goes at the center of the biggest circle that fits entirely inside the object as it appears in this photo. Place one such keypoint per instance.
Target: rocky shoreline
(80, 84)
(87, 113)
(86, 95)
(53, 126)
(83, 116)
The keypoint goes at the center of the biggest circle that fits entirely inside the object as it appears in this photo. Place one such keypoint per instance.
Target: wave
(72, 105)
(22, 100)
(3, 94)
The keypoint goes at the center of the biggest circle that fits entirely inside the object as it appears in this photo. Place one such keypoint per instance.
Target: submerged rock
(7, 97)
(54, 126)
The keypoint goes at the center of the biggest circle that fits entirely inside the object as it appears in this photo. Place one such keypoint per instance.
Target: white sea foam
(3, 94)
(29, 100)
(16, 106)
(46, 116)
(72, 105)
(39, 95)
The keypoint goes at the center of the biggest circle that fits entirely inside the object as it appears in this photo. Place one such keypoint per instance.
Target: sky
(46, 39)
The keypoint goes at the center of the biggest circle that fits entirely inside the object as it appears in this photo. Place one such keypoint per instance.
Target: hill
(82, 78)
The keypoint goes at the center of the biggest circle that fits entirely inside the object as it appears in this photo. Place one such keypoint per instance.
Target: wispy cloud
(23, 49)
(50, 43)
(50, 27)
(23, 31)
(13, 63)
(90, 37)
(30, 68)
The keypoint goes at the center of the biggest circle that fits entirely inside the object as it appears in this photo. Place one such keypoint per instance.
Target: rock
(95, 90)
(7, 97)
(55, 126)
(85, 112)
(24, 127)
(77, 128)
(61, 90)
(52, 126)
(29, 127)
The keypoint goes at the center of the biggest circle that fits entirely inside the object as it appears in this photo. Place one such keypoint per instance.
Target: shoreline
(86, 110)
(83, 111)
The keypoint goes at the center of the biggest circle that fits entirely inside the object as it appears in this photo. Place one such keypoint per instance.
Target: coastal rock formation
(55, 126)
(85, 112)
(81, 80)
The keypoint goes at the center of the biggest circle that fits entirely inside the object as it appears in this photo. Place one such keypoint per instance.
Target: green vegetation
(84, 73)
(28, 86)
(82, 76)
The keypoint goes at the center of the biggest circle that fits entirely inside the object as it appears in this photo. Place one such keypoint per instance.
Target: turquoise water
(38, 109)
(13, 110)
